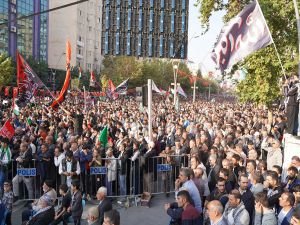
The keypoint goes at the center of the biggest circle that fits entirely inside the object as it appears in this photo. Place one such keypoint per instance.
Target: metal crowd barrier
(122, 178)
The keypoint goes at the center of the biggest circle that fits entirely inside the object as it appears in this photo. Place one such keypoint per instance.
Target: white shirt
(57, 160)
(230, 217)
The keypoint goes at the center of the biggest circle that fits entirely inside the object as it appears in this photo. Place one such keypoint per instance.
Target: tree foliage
(161, 71)
(264, 70)
(7, 70)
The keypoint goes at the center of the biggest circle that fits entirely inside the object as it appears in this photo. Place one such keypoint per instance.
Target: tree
(264, 70)
(7, 70)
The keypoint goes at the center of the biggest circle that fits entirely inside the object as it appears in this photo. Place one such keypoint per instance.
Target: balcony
(80, 44)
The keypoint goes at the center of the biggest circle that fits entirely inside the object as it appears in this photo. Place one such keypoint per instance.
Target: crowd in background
(226, 159)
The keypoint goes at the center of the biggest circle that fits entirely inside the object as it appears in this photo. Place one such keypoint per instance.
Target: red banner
(7, 130)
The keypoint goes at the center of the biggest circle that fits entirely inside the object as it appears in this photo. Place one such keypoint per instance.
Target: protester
(264, 215)
(7, 201)
(215, 210)
(286, 202)
(45, 214)
(93, 216)
(76, 207)
(235, 211)
(190, 215)
(61, 215)
(111, 217)
(104, 204)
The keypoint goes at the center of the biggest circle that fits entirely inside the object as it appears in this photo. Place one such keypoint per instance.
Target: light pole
(175, 72)
(194, 88)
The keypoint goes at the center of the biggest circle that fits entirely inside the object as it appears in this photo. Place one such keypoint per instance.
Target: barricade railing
(122, 177)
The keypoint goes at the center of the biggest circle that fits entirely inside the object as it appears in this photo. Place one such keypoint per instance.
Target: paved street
(130, 216)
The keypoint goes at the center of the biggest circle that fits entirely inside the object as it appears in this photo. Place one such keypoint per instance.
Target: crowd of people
(225, 161)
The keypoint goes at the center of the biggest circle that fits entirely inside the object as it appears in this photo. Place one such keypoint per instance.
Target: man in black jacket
(76, 204)
(213, 172)
(247, 196)
(104, 205)
(274, 190)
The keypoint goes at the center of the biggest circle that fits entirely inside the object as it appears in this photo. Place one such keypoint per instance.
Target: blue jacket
(288, 217)
(84, 160)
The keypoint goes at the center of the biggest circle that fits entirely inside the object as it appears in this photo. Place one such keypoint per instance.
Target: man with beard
(273, 189)
(291, 179)
(219, 193)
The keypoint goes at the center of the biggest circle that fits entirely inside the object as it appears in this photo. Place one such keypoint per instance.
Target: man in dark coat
(45, 215)
(247, 196)
(76, 204)
(104, 205)
(213, 172)
(292, 106)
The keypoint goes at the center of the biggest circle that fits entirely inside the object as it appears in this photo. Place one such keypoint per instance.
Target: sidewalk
(129, 216)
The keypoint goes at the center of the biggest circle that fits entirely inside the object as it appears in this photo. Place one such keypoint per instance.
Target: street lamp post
(175, 71)
(194, 89)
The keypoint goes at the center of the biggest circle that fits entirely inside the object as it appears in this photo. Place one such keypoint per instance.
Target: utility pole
(194, 89)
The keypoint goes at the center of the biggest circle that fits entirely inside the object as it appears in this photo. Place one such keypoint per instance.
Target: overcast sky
(199, 48)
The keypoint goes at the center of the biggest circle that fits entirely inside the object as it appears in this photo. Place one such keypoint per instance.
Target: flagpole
(150, 109)
(84, 98)
(278, 56)
(298, 28)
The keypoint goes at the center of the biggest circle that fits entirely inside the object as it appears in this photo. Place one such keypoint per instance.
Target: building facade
(28, 35)
(81, 25)
(145, 28)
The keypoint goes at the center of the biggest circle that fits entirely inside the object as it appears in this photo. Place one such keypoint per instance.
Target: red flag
(27, 80)
(92, 79)
(7, 130)
(64, 89)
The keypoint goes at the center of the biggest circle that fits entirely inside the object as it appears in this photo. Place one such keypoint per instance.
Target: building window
(89, 66)
(80, 13)
(90, 29)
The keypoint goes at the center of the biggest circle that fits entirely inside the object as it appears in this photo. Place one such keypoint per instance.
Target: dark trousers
(26, 214)
(63, 218)
(8, 218)
(76, 220)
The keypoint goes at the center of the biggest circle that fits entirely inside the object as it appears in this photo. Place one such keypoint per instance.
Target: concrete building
(29, 35)
(145, 28)
(81, 24)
